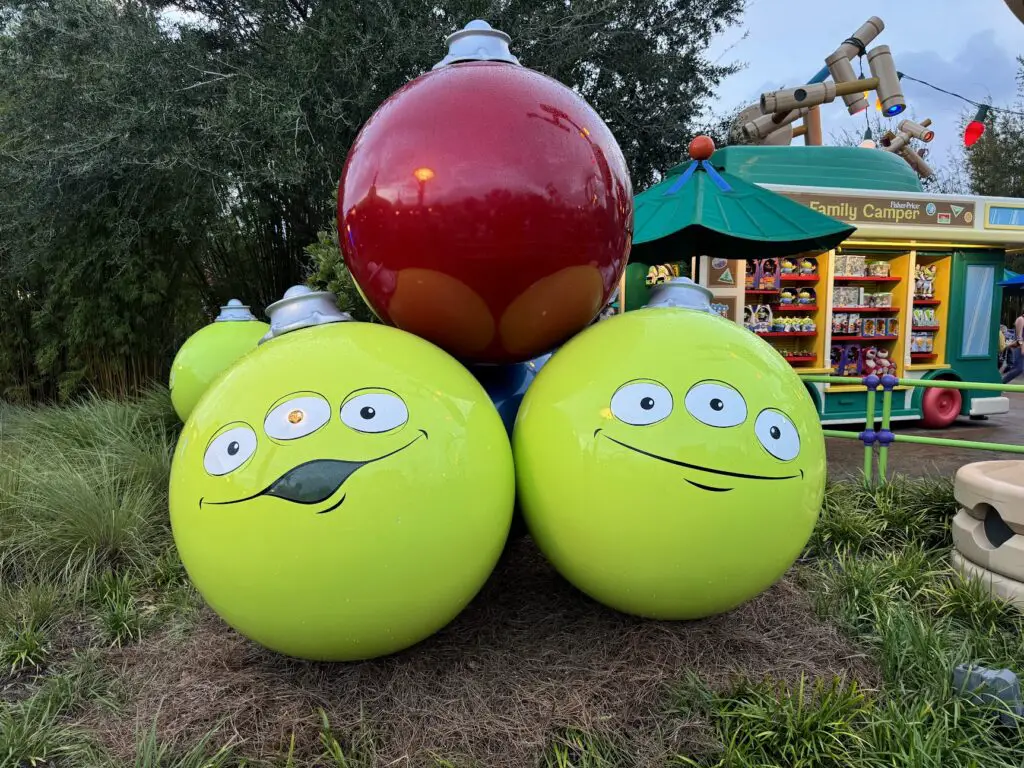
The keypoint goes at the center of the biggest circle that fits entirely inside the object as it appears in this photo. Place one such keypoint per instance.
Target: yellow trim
(1009, 227)
(928, 367)
(911, 243)
(813, 371)
(841, 388)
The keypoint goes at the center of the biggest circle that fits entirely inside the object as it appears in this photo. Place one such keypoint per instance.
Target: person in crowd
(1016, 352)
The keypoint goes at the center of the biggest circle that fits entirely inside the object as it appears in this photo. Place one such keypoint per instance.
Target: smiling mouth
(699, 468)
(314, 482)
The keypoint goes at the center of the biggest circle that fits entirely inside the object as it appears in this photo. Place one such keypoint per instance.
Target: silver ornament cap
(234, 312)
(302, 307)
(682, 293)
(478, 41)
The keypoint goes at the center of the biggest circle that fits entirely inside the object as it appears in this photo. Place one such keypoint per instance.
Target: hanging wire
(904, 76)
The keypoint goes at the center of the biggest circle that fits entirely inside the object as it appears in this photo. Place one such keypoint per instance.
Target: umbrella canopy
(1012, 280)
(700, 211)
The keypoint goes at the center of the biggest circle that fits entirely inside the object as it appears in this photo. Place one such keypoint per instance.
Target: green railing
(883, 437)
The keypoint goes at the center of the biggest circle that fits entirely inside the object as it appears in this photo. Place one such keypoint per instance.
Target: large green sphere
(342, 492)
(205, 355)
(670, 464)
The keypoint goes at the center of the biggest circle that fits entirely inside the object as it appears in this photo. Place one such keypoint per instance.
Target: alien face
(716, 404)
(681, 474)
(341, 492)
(318, 482)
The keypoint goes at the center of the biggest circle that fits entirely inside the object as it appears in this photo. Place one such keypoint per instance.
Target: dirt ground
(530, 657)
(846, 457)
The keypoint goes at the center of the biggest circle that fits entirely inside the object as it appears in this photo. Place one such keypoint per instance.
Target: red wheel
(940, 407)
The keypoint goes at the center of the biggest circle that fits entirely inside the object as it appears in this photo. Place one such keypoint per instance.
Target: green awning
(699, 211)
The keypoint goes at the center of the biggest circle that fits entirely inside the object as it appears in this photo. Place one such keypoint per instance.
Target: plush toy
(869, 365)
(806, 296)
(808, 267)
(924, 282)
(763, 319)
(884, 364)
(787, 296)
(751, 274)
(788, 267)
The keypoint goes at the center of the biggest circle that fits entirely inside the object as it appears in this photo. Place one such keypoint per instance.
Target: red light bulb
(976, 127)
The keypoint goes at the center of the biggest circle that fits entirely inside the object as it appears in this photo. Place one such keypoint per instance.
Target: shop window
(978, 298)
(1005, 216)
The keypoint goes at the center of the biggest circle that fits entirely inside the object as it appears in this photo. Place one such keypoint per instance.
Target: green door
(975, 299)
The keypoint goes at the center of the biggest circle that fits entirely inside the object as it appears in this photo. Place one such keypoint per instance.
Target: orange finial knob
(702, 148)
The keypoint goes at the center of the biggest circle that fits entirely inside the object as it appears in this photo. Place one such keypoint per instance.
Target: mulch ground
(529, 657)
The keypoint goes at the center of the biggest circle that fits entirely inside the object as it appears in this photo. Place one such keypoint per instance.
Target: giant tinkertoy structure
(772, 120)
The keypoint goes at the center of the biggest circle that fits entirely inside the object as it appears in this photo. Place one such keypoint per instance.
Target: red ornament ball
(702, 148)
(488, 209)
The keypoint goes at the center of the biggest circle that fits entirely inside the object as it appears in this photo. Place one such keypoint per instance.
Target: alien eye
(374, 412)
(229, 450)
(777, 434)
(716, 404)
(641, 403)
(297, 417)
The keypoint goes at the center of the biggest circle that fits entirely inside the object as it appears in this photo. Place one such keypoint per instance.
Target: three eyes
(368, 412)
(641, 403)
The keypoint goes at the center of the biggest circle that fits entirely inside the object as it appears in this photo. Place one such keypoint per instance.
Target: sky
(966, 46)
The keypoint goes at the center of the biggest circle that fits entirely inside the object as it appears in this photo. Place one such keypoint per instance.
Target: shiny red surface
(487, 208)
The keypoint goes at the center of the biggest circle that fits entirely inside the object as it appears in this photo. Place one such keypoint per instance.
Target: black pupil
(717, 405)
(775, 432)
(367, 412)
(647, 403)
(233, 448)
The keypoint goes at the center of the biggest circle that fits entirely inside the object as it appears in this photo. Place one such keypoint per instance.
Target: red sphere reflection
(487, 208)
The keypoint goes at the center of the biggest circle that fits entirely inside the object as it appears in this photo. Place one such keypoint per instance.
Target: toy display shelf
(865, 279)
(804, 350)
(865, 338)
(898, 282)
(867, 310)
(939, 302)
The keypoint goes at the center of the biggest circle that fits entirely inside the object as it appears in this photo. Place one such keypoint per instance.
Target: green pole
(883, 449)
(840, 434)
(868, 448)
(950, 443)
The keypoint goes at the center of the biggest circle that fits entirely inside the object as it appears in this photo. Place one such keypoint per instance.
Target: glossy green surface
(205, 355)
(645, 468)
(342, 492)
(673, 221)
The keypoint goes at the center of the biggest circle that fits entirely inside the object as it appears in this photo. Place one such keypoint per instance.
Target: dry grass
(529, 658)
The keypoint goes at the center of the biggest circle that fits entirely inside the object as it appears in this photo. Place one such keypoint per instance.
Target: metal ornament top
(478, 41)
(300, 308)
(234, 311)
(682, 293)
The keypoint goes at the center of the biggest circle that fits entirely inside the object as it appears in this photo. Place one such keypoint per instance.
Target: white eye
(229, 451)
(716, 404)
(777, 434)
(297, 417)
(374, 412)
(641, 403)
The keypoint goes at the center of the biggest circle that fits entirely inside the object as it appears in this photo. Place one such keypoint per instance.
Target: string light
(976, 127)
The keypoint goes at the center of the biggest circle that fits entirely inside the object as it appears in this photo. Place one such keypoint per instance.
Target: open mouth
(315, 482)
(699, 468)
